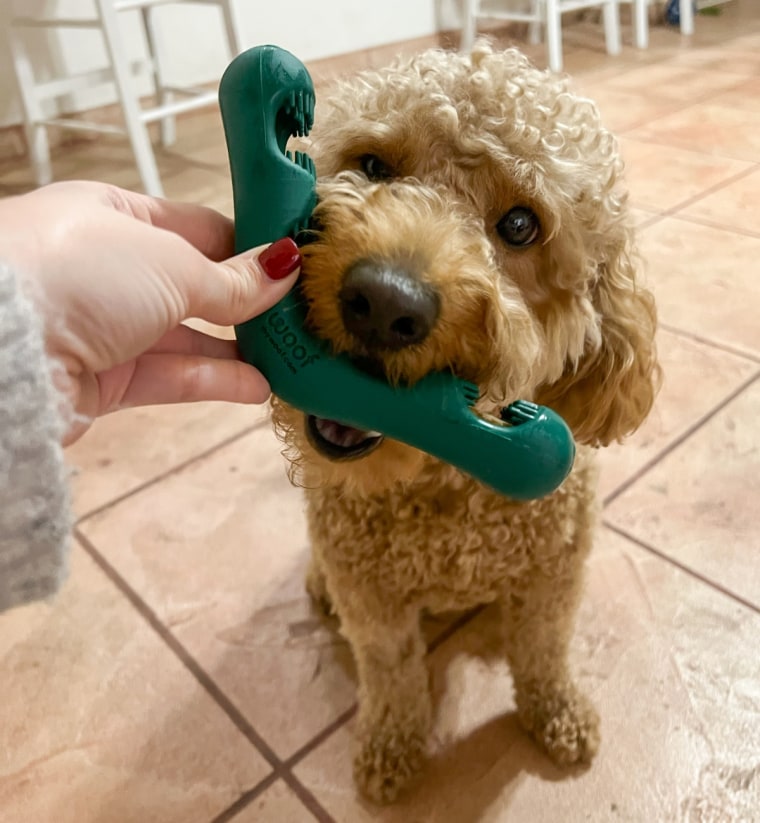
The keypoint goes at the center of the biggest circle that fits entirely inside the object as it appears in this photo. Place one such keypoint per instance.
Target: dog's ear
(609, 391)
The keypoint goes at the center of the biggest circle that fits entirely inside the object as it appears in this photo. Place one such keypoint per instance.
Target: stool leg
(168, 124)
(536, 24)
(554, 35)
(138, 133)
(686, 13)
(469, 25)
(611, 14)
(232, 27)
(641, 23)
(36, 133)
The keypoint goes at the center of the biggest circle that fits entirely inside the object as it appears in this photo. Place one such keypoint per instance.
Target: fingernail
(280, 259)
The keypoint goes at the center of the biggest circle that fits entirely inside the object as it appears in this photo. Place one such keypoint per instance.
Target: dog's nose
(386, 306)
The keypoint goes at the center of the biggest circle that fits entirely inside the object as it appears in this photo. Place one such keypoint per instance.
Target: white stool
(548, 14)
(121, 73)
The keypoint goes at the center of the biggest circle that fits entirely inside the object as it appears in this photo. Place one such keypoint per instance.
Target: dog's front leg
(539, 614)
(394, 698)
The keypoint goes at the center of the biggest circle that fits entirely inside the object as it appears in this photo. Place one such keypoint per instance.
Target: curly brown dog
(471, 219)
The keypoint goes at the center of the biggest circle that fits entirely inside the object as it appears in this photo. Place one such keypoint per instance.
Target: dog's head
(471, 218)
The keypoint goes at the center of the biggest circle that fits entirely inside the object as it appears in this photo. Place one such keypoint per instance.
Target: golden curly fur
(561, 321)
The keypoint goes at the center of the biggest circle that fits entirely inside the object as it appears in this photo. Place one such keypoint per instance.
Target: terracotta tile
(126, 449)
(671, 81)
(12, 144)
(741, 58)
(219, 551)
(705, 281)
(200, 142)
(584, 55)
(711, 128)
(193, 184)
(686, 364)
(109, 161)
(660, 177)
(621, 109)
(101, 723)
(671, 666)
(193, 169)
(699, 505)
(734, 206)
(744, 95)
(277, 804)
(642, 216)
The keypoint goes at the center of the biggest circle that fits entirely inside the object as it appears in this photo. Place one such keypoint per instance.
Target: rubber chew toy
(266, 96)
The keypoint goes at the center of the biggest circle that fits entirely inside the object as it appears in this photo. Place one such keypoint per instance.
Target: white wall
(194, 42)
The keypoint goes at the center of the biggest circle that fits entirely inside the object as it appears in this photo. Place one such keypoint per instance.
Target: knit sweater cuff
(35, 513)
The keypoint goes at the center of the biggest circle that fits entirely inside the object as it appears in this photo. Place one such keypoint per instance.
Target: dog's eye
(519, 227)
(374, 168)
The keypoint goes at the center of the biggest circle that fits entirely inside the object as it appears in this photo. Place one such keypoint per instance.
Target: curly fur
(563, 322)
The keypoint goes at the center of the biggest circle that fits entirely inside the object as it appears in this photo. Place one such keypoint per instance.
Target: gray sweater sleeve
(35, 514)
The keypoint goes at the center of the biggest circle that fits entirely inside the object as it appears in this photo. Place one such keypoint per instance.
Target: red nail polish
(280, 259)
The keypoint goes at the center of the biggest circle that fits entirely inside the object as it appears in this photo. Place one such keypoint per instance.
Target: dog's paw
(563, 722)
(387, 763)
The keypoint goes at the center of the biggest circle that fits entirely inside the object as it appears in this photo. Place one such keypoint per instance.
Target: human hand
(114, 275)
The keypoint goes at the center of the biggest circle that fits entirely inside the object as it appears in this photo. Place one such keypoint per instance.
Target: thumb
(244, 286)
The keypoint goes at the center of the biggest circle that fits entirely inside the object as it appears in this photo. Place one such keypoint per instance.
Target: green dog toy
(266, 96)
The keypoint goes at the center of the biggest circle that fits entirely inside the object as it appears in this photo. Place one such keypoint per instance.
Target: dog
(471, 218)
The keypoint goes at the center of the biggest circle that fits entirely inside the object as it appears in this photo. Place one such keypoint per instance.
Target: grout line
(713, 584)
(659, 140)
(701, 221)
(713, 344)
(689, 201)
(320, 738)
(302, 793)
(677, 108)
(307, 798)
(674, 444)
(189, 662)
(650, 221)
(246, 798)
(279, 769)
(739, 175)
(169, 472)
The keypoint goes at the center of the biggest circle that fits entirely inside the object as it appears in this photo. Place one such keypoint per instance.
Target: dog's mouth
(337, 441)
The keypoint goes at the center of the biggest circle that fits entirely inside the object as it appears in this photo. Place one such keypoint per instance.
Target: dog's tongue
(343, 436)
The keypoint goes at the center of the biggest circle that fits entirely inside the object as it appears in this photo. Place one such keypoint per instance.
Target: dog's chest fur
(445, 541)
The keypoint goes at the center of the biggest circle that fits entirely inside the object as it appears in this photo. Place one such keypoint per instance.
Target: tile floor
(182, 675)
